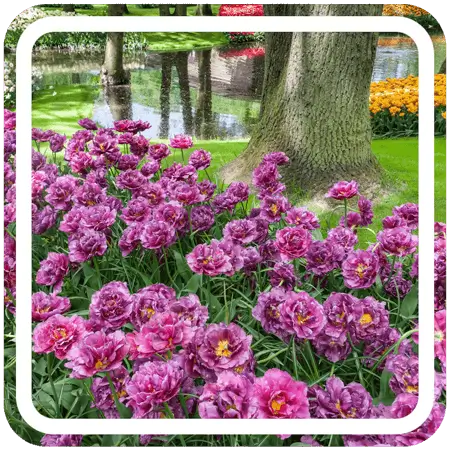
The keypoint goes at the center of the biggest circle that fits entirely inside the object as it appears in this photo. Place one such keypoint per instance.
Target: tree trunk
(125, 9)
(164, 96)
(443, 68)
(180, 10)
(164, 10)
(69, 8)
(204, 125)
(203, 10)
(113, 72)
(314, 105)
(181, 63)
(119, 101)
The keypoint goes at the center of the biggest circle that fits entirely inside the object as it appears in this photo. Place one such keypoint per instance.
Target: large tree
(204, 9)
(443, 68)
(180, 10)
(113, 72)
(314, 105)
(204, 124)
(69, 7)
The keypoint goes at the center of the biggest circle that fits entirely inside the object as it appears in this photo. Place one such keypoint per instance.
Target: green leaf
(182, 266)
(193, 284)
(125, 413)
(409, 303)
(111, 440)
(317, 235)
(386, 396)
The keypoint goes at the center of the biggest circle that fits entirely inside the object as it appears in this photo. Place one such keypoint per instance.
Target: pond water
(211, 94)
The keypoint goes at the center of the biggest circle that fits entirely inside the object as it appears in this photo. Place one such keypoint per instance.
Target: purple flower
(190, 310)
(157, 234)
(272, 207)
(397, 241)
(408, 212)
(150, 300)
(374, 320)
(206, 189)
(127, 162)
(61, 440)
(200, 159)
(278, 158)
(280, 397)
(365, 211)
(202, 218)
(59, 193)
(293, 243)
(209, 259)
(97, 217)
(58, 334)
(270, 253)
(340, 401)
(343, 190)
(230, 397)
(137, 210)
(185, 194)
(153, 192)
(283, 275)
(394, 222)
(48, 305)
(240, 231)
(38, 161)
(334, 349)
(238, 191)
(344, 237)
(181, 141)
(139, 146)
(398, 287)
(130, 238)
(150, 168)
(104, 144)
(88, 124)
(86, 244)
(130, 179)
(97, 352)
(405, 370)
(360, 269)
(302, 217)
(57, 142)
(352, 221)
(159, 151)
(111, 306)
(302, 315)
(39, 135)
(174, 214)
(53, 270)
(266, 175)
(268, 311)
(43, 220)
(323, 257)
(89, 194)
(154, 384)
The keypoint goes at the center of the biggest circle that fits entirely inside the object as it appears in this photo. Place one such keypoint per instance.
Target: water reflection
(212, 94)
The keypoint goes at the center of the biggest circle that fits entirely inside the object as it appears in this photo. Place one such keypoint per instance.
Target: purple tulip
(88, 124)
(200, 159)
(85, 245)
(137, 210)
(278, 158)
(53, 270)
(293, 243)
(61, 440)
(272, 207)
(397, 241)
(360, 269)
(159, 151)
(130, 179)
(323, 257)
(209, 259)
(302, 217)
(333, 348)
(374, 320)
(130, 239)
(409, 212)
(343, 190)
(283, 275)
(48, 305)
(190, 310)
(156, 234)
(344, 237)
(181, 141)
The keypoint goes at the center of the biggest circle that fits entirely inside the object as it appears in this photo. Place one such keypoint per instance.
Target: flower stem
(345, 212)
(52, 385)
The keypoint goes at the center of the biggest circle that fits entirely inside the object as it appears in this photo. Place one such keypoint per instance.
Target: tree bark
(314, 105)
(204, 125)
(69, 8)
(125, 9)
(164, 10)
(181, 64)
(119, 101)
(443, 68)
(203, 10)
(113, 72)
(180, 10)
(164, 96)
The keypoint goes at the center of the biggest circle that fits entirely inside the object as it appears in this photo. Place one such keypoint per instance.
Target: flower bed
(415, 13)
(242, 10)
(394, 106)
(157, 294)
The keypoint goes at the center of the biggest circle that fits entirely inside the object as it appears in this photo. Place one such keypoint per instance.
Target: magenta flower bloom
(39, 135)
(153, 192)
(58, 334)
(409, 212)
(302, 315)
(152, 385)
(61, 440)
(174, 214)
(89, 194)
(344, 237)
(59, 193)
(238, 191)
(343, 190)
(353, 221)
(280, 397)
(53, 270)
(360, 269)
(101, 391)
(43, 220)
(185, 194)
(130, 179)
(209, 259)
(268, 311)
(365, 211)
(405, 372)
(111, 306)
(302, 217)
(137, 210)
(150, 168)
(240, 231)
(323, 257)
(57, 142)
(130, 239)
(200, 159)
(398, 241)
(202, 218)
(394, 222)
(397, 287)
(266, 175)
(157, 234)
(162, 333)
(150, 300)
(374, 320)
(88, 124)
(220, 347)
(283, 275)
(159, 151)
(97, 217)
(206, 189)
(342, 311)
(128, 161)
(190, 310)
(48, 305)
(440, 336)
(139, 146)
(230, 397)
(81, 163)
(105, 144)
(273, 206)
(334, 349)
(403, 406)
(86, 244)
(97, 352)
(278, 158)
(181, 141)
(293, 243)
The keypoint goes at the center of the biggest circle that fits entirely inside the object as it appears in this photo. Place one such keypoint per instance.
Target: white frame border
(426, 225)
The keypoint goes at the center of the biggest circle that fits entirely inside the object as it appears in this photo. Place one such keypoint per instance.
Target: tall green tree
(314, 104)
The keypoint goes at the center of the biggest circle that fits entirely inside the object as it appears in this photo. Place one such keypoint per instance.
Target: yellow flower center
(90, 203)
(274, 208)
(222, 349)
(350, 414)
(301, 320)
(360, 270)
(276, 405)
(59, 333)
(207, 260)
(412, 389)
(101, 364)
(147, 312)
(365, 319)
(44, 310)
